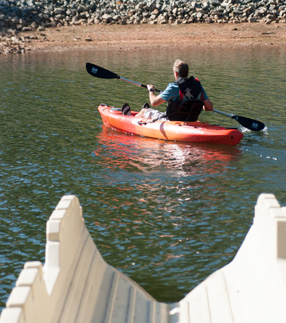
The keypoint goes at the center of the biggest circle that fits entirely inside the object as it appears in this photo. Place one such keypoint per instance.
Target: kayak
(199, 132)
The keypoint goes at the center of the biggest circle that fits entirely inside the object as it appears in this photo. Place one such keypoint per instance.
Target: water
(167, 214)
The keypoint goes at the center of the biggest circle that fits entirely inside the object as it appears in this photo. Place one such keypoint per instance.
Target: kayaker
(186, 98)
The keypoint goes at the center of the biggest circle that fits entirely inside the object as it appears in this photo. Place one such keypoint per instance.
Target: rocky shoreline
(37, 15)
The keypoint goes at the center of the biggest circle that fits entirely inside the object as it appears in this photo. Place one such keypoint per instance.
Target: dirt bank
(138, 37)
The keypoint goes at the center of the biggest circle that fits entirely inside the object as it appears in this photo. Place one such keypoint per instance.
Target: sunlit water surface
(167, 214)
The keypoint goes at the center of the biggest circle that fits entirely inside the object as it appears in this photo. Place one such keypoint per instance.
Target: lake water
(167, 214)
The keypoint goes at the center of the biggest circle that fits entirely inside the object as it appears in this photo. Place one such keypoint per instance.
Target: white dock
(76, 285)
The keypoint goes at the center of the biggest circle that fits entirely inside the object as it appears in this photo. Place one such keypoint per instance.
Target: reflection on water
(167, 214)
(162, 211)
(151, 155)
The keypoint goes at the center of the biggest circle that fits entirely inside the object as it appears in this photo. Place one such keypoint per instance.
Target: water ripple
(167, 214)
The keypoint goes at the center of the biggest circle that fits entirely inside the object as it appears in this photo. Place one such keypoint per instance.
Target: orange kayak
(168, 130)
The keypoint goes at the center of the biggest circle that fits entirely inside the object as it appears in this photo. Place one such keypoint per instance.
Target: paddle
(101, 72)
(248, 123)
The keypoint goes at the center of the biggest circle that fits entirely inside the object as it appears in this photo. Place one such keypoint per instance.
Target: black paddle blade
(100, 72)
(250, 124)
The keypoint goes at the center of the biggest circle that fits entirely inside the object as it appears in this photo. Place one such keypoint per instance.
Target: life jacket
(190, 102)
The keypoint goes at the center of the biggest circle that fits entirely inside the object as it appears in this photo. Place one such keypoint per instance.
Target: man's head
(181, 69)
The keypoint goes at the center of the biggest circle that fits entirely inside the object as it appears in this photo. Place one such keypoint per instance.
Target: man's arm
(208, 106)
(154, 99)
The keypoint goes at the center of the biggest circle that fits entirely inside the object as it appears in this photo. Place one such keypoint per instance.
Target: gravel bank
(17, 16)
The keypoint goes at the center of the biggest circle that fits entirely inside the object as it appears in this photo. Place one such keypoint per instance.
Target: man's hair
(181, 68)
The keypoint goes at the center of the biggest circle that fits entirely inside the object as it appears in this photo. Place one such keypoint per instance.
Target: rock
(30, 15)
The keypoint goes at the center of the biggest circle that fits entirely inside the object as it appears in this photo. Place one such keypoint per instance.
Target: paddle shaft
(224, 113)
(134, 82)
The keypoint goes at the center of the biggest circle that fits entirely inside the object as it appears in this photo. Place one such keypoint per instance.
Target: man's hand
(150, 87)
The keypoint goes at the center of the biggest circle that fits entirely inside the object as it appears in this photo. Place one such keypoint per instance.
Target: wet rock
(28, 15)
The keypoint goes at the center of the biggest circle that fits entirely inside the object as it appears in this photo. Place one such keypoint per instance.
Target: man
(186, 98)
